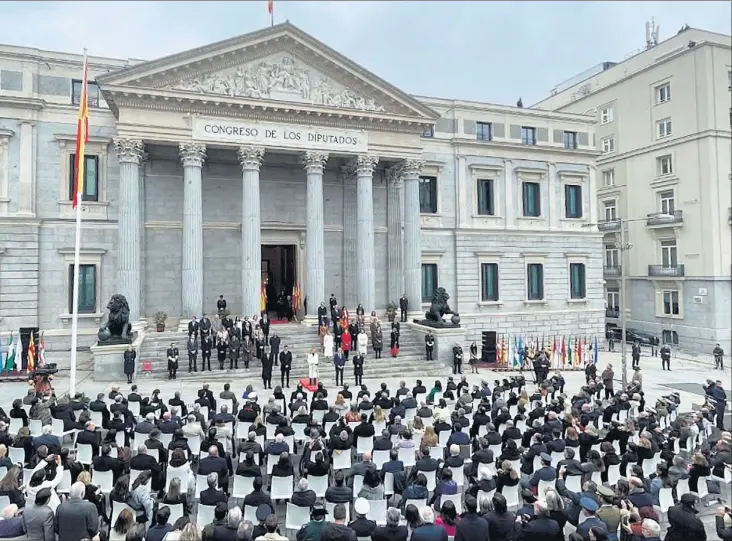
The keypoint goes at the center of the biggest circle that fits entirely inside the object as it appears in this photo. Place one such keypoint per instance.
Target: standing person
(610, 340)
(192, 347)
(362, 342)
(205, 326)
(206, 347)
(258, 340)
(333, 302)
(234, 351)
(429, 344)
(246, 350)
(346, 343)
(665, 357)
(172, 360)
(457, 359)
(608, 377)
(274, 343)
(718, 357)
(312, 366)
(394, 334)
(222, 339)
(636, 354)
(339, 362)
(285, 366)
(221, 305)
(473, 358)
(267, 370)
(193, 326)
(403, 307)
(328, 344)
(358, 368)
(264, 325)
(322, 315)
(130, 357)
(377, 340)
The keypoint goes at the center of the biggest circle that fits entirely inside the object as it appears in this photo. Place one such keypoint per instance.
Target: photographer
(539, 527)
(724, 523)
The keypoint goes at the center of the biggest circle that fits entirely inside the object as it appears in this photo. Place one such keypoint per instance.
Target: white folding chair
(458, 475)
(194, 444)
(318, 484)
(406, 455)
(181, 473)
(649, 466)
(4, 502)
(201, 485)
(65, 485)
(573, 483)
(176, 511)
(16, 455)
(597, 478)
(377, 512)
(357, 485)
(556, 457)
(318, 415)
(665, 499)
(388, 484)
(457, 499)
(205, 515)
(512, 495)
(96, 417)
(250, 514)
(299, 429)
(613, 474)
(482, 495)
(271, 461)
(364, 445)
(84, 453)
(431, 479)
(419, 504)
(103, 479)
(134, 408)
(165, 439)
(342, 461)
(36, 427)
(296, 517)
(290, 441)
(282, 487)
(543, 485)
(443, 438)
(380, 458)
(15, 425)
(228, 402)
(271, 431)
(243, 486)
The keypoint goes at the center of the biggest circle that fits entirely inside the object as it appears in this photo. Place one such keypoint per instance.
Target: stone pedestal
(109, 360)
(445, 340)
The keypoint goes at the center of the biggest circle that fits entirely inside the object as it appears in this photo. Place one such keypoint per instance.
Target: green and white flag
(13, 352)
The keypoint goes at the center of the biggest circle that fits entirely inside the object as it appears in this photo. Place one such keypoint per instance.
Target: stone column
(350, 234)
(314, 162)
(394, 211)
(251, 235)
(365, 257)
(412, 236)
(129, 223)
(592, 195)
(192, 156)
(143, 257)
(27, 169)
(555, 197)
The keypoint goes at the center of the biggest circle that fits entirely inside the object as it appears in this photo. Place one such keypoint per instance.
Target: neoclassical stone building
(270, 155)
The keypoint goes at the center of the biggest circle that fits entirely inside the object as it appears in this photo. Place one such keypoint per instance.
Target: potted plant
(160, 318)
(391, 310)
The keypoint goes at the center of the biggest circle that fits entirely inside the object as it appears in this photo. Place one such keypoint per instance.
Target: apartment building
(663, 131)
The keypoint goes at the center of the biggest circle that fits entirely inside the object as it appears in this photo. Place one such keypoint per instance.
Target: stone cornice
(22, 103)
(83, 251)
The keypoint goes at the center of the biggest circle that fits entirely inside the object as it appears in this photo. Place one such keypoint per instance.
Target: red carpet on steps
(305, 382)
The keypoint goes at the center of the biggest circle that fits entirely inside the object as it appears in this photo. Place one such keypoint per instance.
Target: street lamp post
(623, 247)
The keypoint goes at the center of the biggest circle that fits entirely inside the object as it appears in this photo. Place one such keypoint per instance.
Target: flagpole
(75, 297)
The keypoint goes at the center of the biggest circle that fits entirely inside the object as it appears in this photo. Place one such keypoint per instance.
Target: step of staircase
(299, 339)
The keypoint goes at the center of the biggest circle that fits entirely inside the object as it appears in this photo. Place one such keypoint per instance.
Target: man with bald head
(360, 468)
(143, 461)
(90, 436)
(214, 463)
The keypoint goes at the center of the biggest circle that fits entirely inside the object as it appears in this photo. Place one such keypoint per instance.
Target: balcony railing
(611, 271)
(612, 312)
(661, 270)
(660, 218)
(608, 226)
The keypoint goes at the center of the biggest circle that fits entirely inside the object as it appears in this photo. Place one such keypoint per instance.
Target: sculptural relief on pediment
(279, 78)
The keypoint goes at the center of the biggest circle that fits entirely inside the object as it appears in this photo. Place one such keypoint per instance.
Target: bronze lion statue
(439, 306)
(116, 324)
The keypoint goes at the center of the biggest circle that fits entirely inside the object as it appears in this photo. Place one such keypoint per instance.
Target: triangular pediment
(280, 64)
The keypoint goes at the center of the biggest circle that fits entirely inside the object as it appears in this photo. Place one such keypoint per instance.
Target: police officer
(429, 344)
(665, 357)
(457, 359)
(718, 357)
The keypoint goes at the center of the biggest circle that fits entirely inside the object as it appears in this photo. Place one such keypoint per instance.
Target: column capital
(314, 161)
(411, 168)
(250, 157)
(394, 175)
(364, 165)
(129, 150)
(192, 154)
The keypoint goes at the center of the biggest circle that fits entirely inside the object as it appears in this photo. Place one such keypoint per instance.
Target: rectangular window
(429, 281)
(669, 253)
(486, 206)
(610, 210)
(87, 289)
(528, 135)
(612, 256)
(92, 98)
(671, 303)
(608, 145)
(606, 115)
(531, 198)
(91, 177)
(572, 201)
(613, 300)
(484, 131)
(666, 202)
(664, 165)
(429, 132)
(663, 128)
(670, 337)
(535, 281)
(663, 93)
(577, 280)
(570, 140)
(608, 177)
(428, 195)
(489, 282)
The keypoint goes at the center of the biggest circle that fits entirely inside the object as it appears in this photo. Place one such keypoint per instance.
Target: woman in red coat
(346, 344)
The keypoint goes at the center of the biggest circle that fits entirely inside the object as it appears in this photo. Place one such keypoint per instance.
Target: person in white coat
(362, 343)
(328, 343)
(312, 366)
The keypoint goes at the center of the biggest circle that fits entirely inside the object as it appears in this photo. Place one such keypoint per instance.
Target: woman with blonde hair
(340, 405)
(418, 427)
(523, 400)
(312, 366)
(571, 439)
(507, 476)
(429, 438)
(378, 415)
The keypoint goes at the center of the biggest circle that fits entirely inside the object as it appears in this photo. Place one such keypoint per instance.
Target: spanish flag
(270, 10)
(31, 364)
(263, 297)
(82, 137)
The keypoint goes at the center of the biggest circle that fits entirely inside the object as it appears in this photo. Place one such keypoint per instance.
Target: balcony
(612, 312)
(608, 226)
(611, 271)
(666, 272)
(660, 219)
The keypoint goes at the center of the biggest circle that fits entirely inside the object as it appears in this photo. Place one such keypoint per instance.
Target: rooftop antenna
(651, 33)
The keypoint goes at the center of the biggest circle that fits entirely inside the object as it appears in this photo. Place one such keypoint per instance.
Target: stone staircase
(299, 338)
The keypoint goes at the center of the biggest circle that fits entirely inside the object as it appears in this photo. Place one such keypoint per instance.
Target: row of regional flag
(11, 354)
(296, 297)
(563, 352)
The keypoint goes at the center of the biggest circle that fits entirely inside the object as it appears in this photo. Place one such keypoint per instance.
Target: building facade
(664, 136)
(271, 157)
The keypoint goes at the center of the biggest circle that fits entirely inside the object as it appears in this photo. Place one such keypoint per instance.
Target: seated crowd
(498, 462)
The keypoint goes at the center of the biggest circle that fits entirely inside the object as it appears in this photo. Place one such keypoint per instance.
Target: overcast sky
(486, 51)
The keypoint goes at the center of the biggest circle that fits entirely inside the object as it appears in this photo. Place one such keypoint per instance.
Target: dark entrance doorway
(278, 270)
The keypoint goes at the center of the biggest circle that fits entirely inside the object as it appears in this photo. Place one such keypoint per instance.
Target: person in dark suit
(206, 347)
(104, 462)
(192, 348)
(358, 368)
(214, 463)
(193, 327)
(285, 366)
(90, 436)
(211, 496)
(545, 473)
(172, 355)
(258, 496)
(403, 307)
(424, 464)
(540, 527)
(428, 530)
(392, 531)
(143, 461)
(472, 526)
